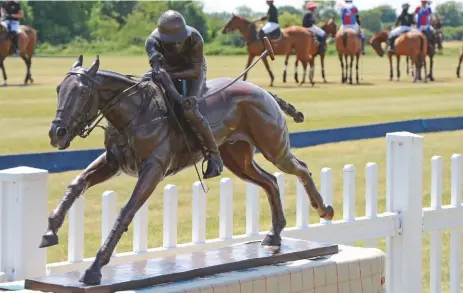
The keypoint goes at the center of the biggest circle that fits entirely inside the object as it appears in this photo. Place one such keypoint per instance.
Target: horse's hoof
(324, 81)
(49, 239)
(4, 83)
(272, 242)
(328, 213)
(91, 277)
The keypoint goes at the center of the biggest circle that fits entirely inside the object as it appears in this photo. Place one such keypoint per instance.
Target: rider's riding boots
(203, 131)
(15, 42)
(390, 43)
(322, 41)
(363, 43)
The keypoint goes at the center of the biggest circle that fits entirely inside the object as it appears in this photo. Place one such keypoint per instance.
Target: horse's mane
(248, 22)
(116, 75)
(378, 35)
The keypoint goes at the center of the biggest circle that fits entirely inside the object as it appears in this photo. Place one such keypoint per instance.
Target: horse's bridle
(84, 118)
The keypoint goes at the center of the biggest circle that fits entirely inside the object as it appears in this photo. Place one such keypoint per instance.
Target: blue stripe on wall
(56, 162)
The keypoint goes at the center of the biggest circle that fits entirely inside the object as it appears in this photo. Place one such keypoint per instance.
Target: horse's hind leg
(296, 65)
(304, 66)
(2, 65)
(250, 58)
(459, 65)
(27, 60)
(342, 68)
(286, 67)
(431, 66)
(357, 68)
(100, 170)
(322, 60)
(238, 158)
(351, 68)
(398, 67)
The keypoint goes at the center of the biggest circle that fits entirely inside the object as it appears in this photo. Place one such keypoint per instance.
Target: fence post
(23, 218)
(404, 187)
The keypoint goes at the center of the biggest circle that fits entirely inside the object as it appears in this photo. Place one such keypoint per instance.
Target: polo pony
(293, 37)
(348, 44)
(330, 29)
(413, 44)
(27, 41)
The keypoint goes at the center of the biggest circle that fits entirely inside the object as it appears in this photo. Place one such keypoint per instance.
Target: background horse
(413, 44)
(437, 25)
(330, 29)
(27, 41)
(348, 44)
(143, 139)
(293, 37)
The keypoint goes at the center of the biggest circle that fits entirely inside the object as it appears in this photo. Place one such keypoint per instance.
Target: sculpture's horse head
(78, 104)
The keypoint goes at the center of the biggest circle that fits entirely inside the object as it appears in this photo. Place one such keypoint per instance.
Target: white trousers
(318, 31)
(425, 27)
(400, 30)
(356, 27)
(12, 25)
(270, 27)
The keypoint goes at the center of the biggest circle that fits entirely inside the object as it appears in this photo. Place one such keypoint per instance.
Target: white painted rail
(402, 224)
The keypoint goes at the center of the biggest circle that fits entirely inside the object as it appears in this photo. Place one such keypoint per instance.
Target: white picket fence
(23, 192)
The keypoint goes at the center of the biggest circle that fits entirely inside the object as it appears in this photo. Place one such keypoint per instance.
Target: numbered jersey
(423, 16)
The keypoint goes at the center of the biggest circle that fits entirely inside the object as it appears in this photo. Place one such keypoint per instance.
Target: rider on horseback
(403, 24)
(272, 28)
(308, 22)
(351, 19)
(11, 13)
(423, 19)
(179, 49)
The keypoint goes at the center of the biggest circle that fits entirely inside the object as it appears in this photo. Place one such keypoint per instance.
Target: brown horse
(27, 41)
(293, 37)
(413, 44)
(330, 29)
(144, 139)
(348, 44)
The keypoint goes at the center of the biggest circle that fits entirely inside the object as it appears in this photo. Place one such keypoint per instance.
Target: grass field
(26, 113)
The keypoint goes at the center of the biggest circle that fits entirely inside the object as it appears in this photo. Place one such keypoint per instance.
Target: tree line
(122, 26)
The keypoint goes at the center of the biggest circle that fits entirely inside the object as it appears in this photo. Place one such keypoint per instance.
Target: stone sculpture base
(186, 266)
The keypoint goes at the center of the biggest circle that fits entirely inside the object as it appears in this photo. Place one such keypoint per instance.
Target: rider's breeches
(318, 31)
(12, 25)
(399, 30)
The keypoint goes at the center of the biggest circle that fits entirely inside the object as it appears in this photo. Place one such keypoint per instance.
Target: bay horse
(330, 29)
(348, 44)
(144, 139)
(293, 37)
(437, 25)
(27, 41)
(412, 44)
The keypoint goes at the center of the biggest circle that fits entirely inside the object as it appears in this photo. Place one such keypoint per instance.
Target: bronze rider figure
(175, 53)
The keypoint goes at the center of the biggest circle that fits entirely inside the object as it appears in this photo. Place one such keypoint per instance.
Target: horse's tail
(344, 39)
(288, 109)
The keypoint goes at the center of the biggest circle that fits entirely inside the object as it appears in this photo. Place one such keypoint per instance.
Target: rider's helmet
(311, 6)
(405, 6)
(172, 30)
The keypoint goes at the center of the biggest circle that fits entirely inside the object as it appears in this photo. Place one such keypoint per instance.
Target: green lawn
(26, 113)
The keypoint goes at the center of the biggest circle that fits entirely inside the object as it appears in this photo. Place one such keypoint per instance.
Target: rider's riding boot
(322, 47)
(201, 128)
(15, 41)
(390, 42)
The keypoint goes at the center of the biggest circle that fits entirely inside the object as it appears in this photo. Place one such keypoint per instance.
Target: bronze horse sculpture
(144, 139)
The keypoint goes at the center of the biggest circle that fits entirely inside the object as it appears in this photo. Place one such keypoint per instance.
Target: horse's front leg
(100, 170)
(267, 66)
(250, 58)
(150, 174)
(2, 65)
